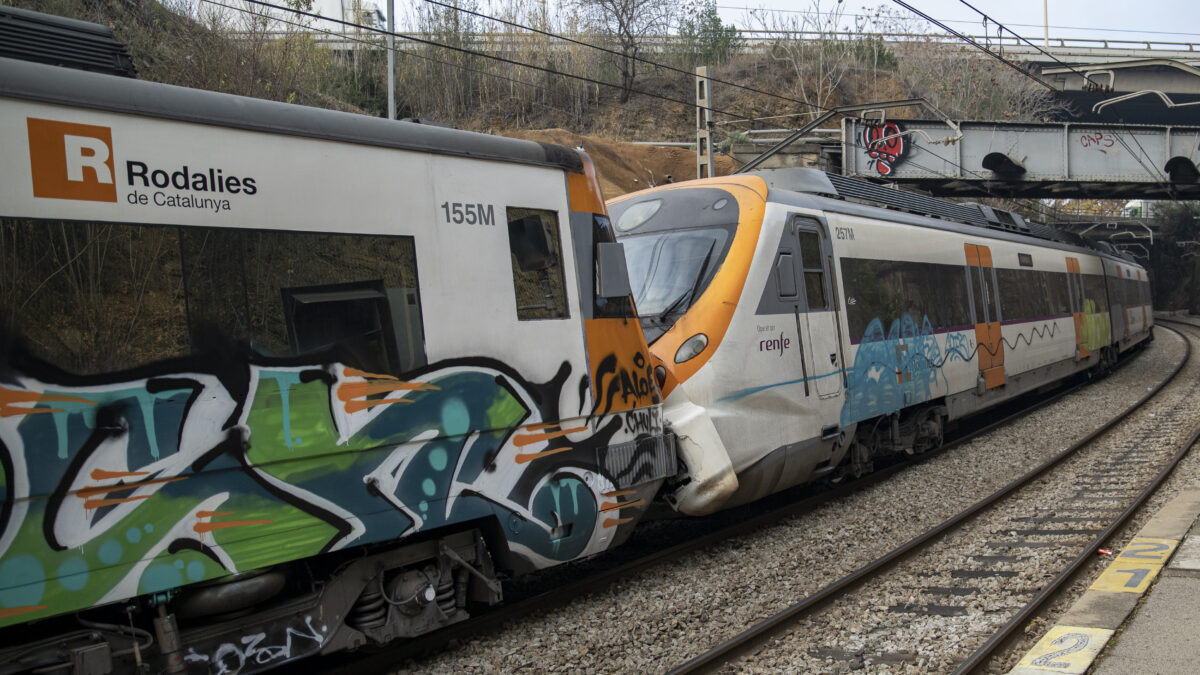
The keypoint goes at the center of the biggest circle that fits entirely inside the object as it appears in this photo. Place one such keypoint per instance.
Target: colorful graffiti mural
(140, 485)
(904, 366)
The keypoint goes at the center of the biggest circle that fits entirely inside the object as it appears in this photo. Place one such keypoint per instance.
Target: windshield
(675, 241)
(669, 270)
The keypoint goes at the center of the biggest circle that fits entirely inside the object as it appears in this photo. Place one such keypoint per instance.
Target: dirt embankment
(626, 167)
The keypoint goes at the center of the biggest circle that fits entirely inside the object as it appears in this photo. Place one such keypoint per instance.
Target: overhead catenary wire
(363, 41)
(1151, 170)
(1022, 25)
(971, 42)
(614, 52)
(493, 57)
(263, 3)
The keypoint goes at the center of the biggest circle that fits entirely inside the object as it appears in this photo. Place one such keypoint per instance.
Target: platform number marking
(1076, 641)
(1143, 549)
(1065, 649)
(1136, 566)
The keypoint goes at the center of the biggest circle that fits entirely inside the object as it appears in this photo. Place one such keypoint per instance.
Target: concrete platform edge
(1072, 645)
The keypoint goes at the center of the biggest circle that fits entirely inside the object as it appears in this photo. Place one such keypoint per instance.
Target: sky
(1160, 21)
(1155, 20)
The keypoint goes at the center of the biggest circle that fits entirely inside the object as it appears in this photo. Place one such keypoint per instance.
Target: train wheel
(930, 431)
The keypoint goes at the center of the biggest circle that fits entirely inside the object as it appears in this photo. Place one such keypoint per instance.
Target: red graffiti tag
(885, 146)
(1098, 139)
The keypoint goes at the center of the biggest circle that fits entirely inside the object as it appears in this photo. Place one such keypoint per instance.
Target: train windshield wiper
(685, 299)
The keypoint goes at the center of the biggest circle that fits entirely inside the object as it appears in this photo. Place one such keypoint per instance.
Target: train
(804, 325)
(278, 381)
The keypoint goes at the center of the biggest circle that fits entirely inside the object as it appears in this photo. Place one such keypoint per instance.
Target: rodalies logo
(71, 161)
(75, 161)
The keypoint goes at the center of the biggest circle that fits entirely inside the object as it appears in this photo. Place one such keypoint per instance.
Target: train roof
(64, 86)
(817, 182)
(59, 41)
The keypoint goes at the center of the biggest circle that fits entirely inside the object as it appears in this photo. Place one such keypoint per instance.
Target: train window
(537, 264)
(91, 298)
(1094, 295)
(814, 272)
(353, 318)
(1023, 294)
(886, 290)
(814, 287)
(291, 293)
(1057, 292)
(977, 287)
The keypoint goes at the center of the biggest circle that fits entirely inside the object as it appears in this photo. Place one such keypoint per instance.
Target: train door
(1117, 301)
(817, 325)
(1075, 290)
(987, 315)
(1141, 302)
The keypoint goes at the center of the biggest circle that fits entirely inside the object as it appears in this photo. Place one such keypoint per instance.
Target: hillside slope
(626, 167)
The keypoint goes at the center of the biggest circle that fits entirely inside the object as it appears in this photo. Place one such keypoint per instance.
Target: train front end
(689, 248)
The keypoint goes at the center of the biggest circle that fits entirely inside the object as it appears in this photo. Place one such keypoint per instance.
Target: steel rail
(752, 636)
(1006, 632)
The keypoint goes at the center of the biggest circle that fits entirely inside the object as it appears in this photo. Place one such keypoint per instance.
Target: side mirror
(528, 242)
(612, 274)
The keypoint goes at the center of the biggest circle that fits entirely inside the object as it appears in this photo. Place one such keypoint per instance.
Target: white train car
(328, 374)
(801, 329)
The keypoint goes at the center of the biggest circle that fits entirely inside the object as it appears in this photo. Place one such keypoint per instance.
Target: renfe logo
(778, 344)
(71, 161)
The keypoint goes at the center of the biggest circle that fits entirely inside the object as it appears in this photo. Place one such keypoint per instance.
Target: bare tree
(968, 85)
(630, 23)
(818, 49)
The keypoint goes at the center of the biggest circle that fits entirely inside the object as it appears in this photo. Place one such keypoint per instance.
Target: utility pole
(391, 58)
(1046, 23)
(704, 157)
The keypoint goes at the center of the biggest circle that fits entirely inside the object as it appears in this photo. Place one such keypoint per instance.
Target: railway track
(690, 535)
(949, 598)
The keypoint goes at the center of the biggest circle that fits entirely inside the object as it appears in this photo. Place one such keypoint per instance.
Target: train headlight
(691, 347)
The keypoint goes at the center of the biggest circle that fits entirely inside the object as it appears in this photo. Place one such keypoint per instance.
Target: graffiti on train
(904, 366)
(129, 486)
(1096, 329)
(630, 378)
(893, 370)
(260, 649)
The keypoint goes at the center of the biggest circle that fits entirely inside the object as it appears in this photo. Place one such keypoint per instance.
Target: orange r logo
(71, 161)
